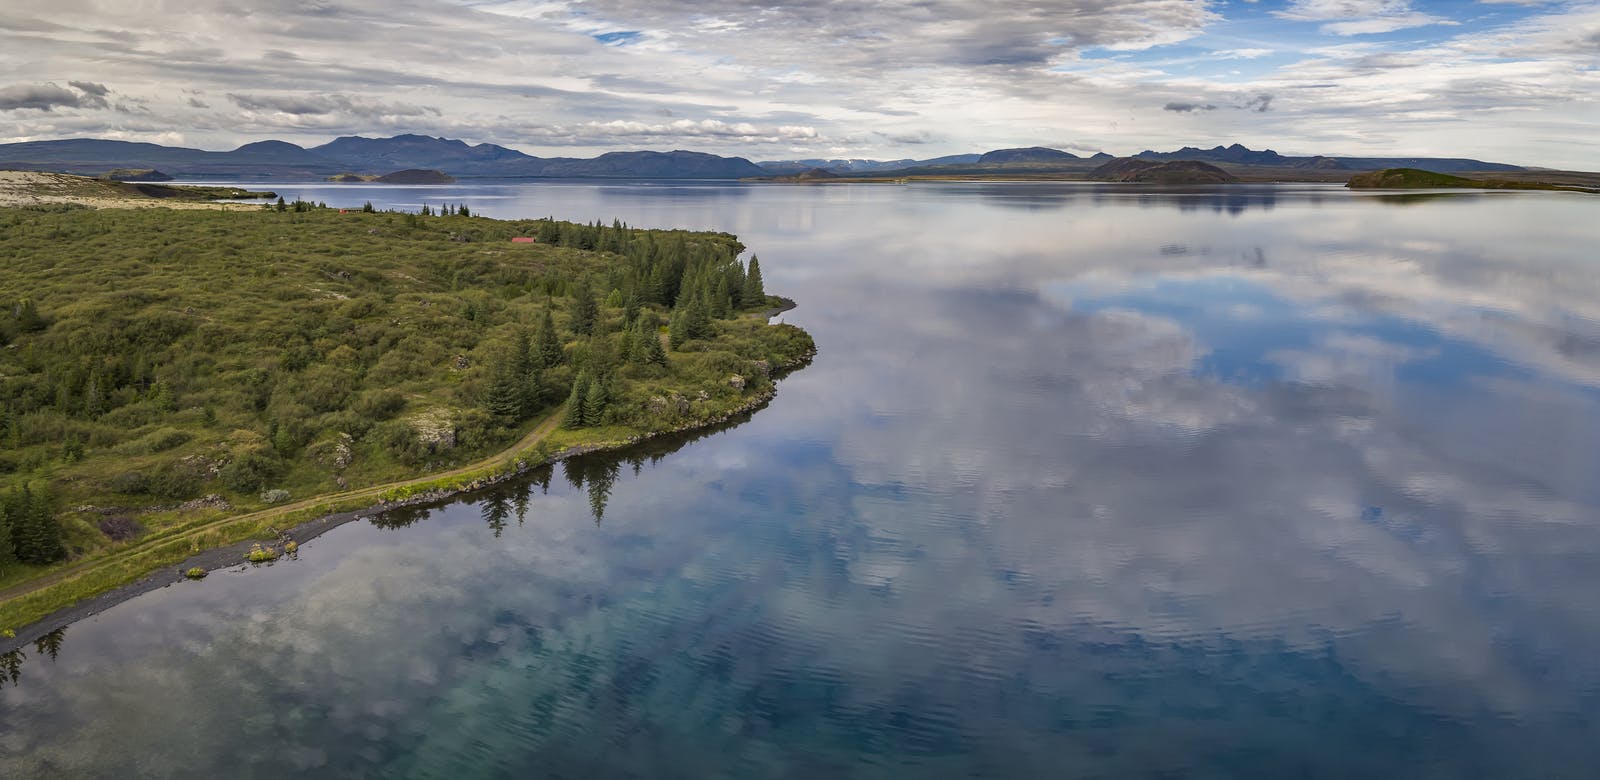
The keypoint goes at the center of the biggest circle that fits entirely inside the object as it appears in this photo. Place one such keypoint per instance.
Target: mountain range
(357, 154)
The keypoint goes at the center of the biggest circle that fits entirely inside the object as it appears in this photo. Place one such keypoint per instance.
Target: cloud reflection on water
(1317, 489)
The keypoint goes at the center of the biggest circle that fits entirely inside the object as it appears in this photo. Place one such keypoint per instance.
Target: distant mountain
(1237, 154)
(418, 151)
(1032, 154)
(356, 154)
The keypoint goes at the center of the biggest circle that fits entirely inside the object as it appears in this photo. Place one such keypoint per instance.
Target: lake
(1086, 481)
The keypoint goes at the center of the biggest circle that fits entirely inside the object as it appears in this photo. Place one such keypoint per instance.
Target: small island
(408, 176)
(416, 176)
(1418, 179)
(1130, 169)
(257, 368)
(807, 175)
(136, 174)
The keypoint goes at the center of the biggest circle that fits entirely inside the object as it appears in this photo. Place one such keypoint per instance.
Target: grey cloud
(198, 103)
(1260, 103)
(41, 97)
(917, 138)
(903, 33)
(89, 87)
(316, 105)
(1184, 108)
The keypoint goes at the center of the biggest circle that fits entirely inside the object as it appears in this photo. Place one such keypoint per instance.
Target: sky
(1509, 80)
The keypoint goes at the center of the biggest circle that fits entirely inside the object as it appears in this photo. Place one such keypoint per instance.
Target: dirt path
(372, 492)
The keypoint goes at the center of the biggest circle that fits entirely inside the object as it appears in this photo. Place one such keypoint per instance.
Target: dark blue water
(1087, 481)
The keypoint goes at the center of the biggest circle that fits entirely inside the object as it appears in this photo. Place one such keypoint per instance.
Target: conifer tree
(736, 282)
(8, 548)
(721, 299)
(34, 531)
(697, 321)
(546, 345)
(657, 354)
(504, 397)
(576, 402)
(630, 309)
(595, 402)
(678, 328)
(584, 309)
(755, 293)
(521, 353)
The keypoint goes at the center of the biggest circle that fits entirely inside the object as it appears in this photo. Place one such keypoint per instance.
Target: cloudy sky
(1508, 80)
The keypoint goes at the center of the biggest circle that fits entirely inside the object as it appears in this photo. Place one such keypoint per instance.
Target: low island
(1418, 179)
(177, 381)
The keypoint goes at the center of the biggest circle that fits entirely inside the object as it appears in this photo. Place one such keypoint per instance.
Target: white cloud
(863, 80)
(1359, 17)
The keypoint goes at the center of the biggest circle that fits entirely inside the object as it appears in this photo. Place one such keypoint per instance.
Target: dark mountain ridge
(280, 159)
(1238, 154)
(1032, 154)
(272, 159)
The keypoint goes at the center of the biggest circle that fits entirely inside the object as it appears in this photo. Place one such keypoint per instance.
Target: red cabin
(522, 240)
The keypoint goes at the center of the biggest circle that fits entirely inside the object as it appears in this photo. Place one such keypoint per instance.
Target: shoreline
(233, 554)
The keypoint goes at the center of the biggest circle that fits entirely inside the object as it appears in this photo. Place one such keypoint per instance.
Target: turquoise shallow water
(1087, 481)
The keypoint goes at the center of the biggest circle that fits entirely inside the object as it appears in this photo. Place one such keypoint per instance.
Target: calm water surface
(1276, 481)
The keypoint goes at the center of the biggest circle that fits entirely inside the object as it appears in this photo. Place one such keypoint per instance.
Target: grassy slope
(275, 333)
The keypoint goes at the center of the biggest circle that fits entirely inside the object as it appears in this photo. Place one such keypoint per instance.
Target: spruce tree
(584, 309)
(521, 353)
(639, 344)
(721, 299)
(8, 548)
(697, 321)
(630, 309)
(678, 328)
(595, 402)
(755, 294)
(576, 402)
(34, 532)
(546, 345)
(657, 354)
(504, 397)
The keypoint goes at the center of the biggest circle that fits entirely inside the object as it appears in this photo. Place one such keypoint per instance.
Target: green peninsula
(172, 381)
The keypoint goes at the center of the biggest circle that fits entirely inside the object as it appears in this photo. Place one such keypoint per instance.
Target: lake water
(1086, 481)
